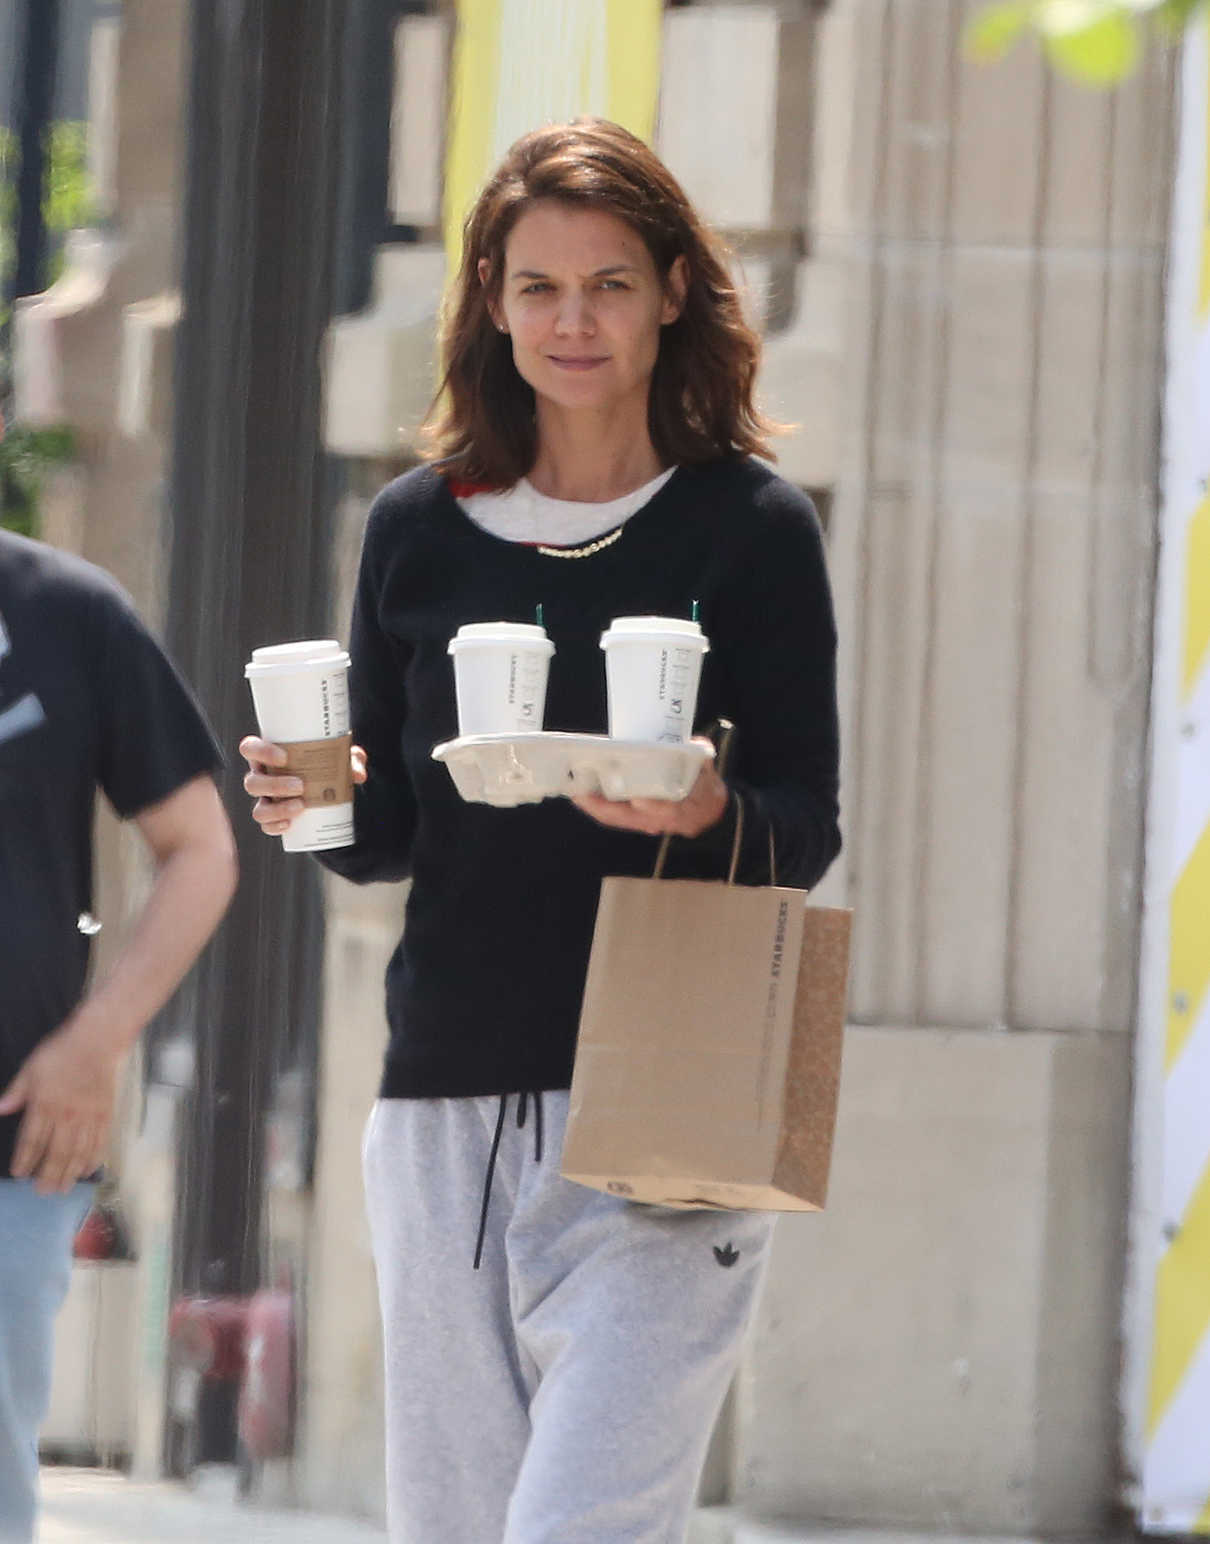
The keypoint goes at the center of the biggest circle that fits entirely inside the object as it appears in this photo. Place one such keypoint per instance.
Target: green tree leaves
(994, 30)
(26, 456)
(1096, 42)
(67, 202)
(1098, 50)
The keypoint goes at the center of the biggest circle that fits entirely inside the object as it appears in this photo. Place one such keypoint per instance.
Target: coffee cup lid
(499, 632)
(653, 629)
(304, 655)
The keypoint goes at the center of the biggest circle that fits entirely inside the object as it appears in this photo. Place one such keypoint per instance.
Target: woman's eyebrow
(597, 273)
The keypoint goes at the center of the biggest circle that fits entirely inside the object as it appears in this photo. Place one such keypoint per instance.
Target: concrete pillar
(744, 161)
(380, 365)
(422, 47)
(934, 1350)
(939, 1349)
(751, 164)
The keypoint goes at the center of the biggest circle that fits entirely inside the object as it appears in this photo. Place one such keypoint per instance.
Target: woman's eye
(614, 284)
(538, 287)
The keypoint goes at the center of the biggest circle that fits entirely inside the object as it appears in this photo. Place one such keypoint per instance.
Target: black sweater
(484, 988)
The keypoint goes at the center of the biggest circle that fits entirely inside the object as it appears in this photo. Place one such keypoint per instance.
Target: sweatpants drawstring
(522, 1111)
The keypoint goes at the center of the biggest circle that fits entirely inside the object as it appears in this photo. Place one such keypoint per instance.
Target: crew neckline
(644, 492)
(665, 480)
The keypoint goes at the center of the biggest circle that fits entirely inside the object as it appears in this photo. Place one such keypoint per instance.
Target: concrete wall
(935, 1350)
(941, 1348)
(1010, 237)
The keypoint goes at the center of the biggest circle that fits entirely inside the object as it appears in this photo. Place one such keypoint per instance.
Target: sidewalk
(720, 1525)
(97, 1506)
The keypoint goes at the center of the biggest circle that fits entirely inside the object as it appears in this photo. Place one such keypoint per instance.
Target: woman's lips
(576, 362)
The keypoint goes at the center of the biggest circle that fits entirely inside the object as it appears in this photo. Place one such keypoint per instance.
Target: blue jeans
(36, 1235)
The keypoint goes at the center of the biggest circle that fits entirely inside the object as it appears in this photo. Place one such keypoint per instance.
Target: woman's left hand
(702, 807)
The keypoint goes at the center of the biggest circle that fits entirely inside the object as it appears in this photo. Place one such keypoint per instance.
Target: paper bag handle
(726, 733)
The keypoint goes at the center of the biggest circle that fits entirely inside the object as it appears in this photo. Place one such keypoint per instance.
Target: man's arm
(68, 1084)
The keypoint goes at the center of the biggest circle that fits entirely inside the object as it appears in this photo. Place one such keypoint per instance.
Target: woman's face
(583, 304)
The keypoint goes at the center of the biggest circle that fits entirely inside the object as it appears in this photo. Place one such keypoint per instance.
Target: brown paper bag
(708, 1062)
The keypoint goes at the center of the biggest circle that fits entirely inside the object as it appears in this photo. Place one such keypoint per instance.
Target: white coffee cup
(653, 666)
(500, 671)
(301, 694)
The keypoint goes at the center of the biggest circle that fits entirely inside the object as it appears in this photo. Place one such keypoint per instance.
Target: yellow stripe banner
(521, 63)
(1182, 1307)
(1189, 953)
(1197, 592)
(1176, 1429)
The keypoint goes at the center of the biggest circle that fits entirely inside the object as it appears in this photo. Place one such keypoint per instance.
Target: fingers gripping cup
(652, 669)
(301, 693)
(500, 671)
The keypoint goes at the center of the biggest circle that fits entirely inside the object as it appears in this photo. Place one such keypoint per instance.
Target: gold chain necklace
(583, 552)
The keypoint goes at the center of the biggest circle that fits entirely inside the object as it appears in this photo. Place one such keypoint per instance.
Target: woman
(592, 455)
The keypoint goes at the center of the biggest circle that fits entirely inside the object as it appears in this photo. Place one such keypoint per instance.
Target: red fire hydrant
(246, 1345)
(266, 1399)
(207, 1334)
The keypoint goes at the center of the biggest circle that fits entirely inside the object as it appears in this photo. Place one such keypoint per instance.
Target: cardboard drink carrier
(708, 1063)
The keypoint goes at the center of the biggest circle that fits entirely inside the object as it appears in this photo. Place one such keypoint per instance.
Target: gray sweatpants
(565, 1392)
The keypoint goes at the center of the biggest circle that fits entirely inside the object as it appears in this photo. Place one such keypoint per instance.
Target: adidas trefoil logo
(726, 1255)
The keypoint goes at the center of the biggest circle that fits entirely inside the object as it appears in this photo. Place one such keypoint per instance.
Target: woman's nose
(574, 313)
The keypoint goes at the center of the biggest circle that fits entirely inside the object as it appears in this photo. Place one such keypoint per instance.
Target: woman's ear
(676, 287)
(493, 307)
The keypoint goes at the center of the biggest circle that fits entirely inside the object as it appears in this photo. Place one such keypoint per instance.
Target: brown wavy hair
(482, 423)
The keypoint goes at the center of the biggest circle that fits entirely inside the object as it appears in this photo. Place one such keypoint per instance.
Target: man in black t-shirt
(87, 700)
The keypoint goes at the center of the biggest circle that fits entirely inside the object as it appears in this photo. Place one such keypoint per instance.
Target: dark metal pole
(251, 540)
(285, 201)
(37, 31)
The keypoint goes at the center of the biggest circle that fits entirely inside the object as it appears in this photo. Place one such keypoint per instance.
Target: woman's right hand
(279, 795)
